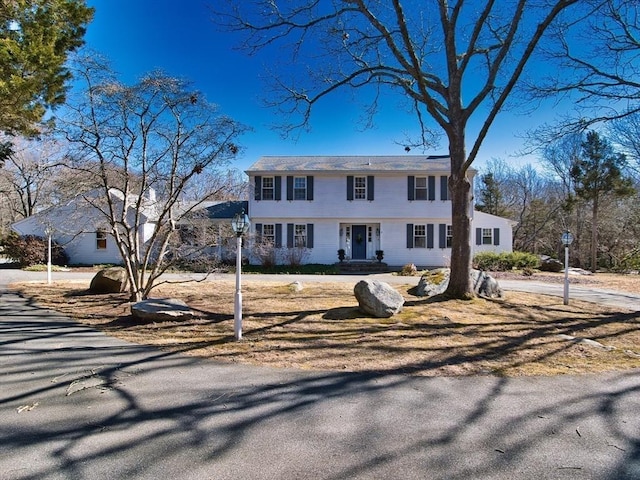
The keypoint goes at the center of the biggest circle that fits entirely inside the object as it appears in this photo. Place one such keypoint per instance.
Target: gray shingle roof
(361, 163)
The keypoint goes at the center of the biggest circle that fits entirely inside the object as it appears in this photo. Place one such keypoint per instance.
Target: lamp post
(48, 232)
(240, 225)
(567, 239)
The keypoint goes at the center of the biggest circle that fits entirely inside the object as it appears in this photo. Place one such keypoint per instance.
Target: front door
(358, 242)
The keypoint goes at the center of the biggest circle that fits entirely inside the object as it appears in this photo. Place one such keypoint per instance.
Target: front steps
(363, 267)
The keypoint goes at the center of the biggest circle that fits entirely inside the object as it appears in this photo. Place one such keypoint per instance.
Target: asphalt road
(76, 404)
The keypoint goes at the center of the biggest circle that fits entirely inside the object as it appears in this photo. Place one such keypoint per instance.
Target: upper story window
(101, 239)
(268, 188)
(360, 188)
(421, 188)
(300, 188)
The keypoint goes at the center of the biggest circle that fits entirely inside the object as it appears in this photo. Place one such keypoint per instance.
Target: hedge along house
(399, 205)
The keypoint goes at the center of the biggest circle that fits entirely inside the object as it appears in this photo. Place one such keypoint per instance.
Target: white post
(49, 257)
(566, 274)
(237, 312)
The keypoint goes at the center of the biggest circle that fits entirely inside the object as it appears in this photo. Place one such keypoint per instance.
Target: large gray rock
(485, 285)
(378, 298)
(548, 264)
(110, 280)
(436, 282)
(433, 282)
(161, 310)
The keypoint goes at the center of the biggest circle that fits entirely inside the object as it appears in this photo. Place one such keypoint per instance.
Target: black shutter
(478, 236)
(444, 187)
(442, 234)
(277, 195)
(411, 188)
(496, 236)
(429, 235)
(289, 235)
(349, 187)
(258, 232)
(431, 187)
(310, 187)
(409, 235)
(257, 194)
(289, 187)
(278, 235)
(370, 183)
(309, 235)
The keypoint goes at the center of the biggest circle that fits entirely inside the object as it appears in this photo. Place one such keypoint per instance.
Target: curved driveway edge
(77, 404)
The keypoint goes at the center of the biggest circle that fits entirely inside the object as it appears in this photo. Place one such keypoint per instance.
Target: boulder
(485, 285)
(433, 282)
(161, 310)
(110, 280)
(378, 298)
(436, 281)
(296, 287)
(548, 264)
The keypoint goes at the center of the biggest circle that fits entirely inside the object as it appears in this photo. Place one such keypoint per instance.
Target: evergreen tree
(36, 37)
(491, 198)
(598, 172)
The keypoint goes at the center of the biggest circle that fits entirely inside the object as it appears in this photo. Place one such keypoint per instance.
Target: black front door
(358, 242)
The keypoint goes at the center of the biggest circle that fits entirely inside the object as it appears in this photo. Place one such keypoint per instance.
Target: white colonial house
(364, 204)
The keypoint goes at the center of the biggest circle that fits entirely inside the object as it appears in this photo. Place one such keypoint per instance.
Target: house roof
(360, 163)
(215, 210)
(227, 210)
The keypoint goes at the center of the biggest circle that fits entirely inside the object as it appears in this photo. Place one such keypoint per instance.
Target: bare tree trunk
(460, 280)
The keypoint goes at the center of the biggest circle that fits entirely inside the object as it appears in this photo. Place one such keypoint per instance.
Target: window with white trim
(487, 236)
(101, 239)
(268, 188)
(300, 188)
(300, 235)
(360, 188)
(449, 236)
(420, 236)
(269, 233)
(420, 188)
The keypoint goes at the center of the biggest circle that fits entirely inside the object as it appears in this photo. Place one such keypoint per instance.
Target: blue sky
(139, 36)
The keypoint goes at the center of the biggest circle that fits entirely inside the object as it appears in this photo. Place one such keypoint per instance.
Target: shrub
(31, 250)
(408, 270)
(522, 260)
(501, 262)
(491, 261)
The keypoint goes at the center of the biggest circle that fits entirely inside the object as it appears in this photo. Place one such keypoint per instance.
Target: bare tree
(456, 63)
(625, 135)
(27, 180)
(600, 68)
(144, 146)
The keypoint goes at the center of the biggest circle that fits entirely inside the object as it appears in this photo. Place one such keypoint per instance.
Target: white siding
(387, 214)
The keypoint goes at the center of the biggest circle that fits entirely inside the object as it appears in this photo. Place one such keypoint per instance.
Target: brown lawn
(322, 328)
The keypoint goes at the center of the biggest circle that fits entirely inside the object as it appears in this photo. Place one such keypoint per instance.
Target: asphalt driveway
(76, 404)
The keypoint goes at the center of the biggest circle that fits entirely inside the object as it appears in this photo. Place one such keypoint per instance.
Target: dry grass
(322, 328)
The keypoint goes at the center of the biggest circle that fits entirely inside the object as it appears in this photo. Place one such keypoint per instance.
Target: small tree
(36, 37)
(596, 173)
(144, 146)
